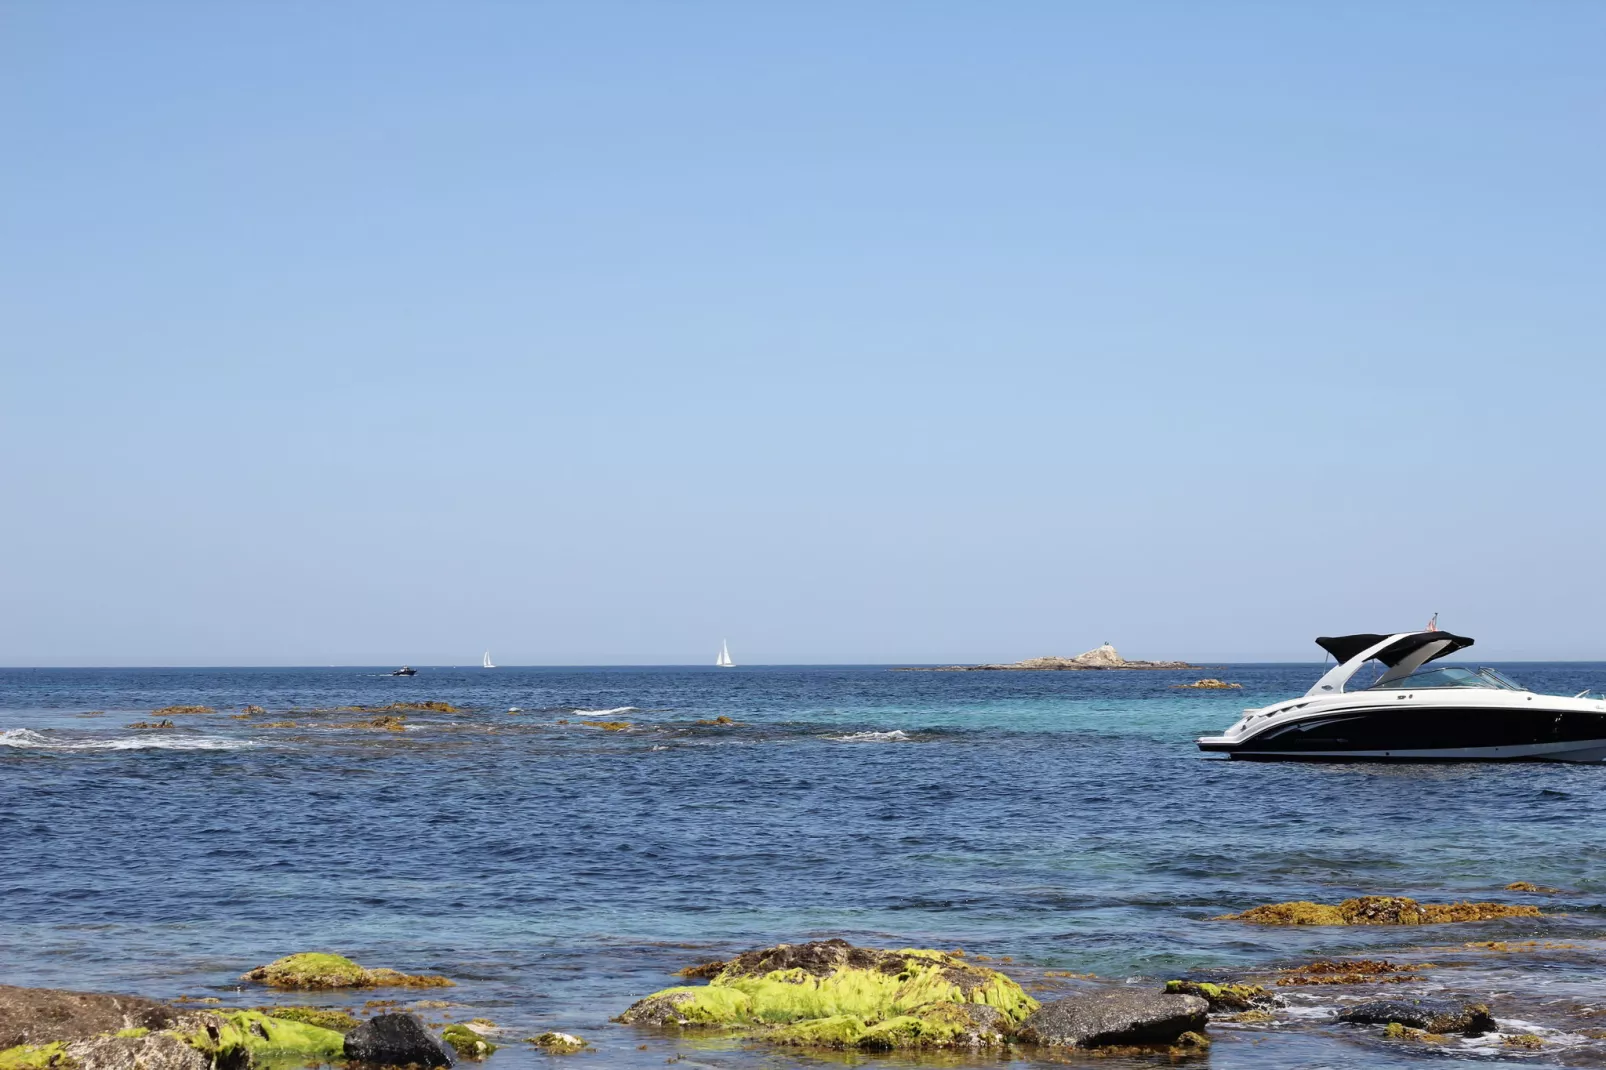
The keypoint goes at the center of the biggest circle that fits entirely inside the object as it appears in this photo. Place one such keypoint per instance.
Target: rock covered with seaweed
(831, 994)
(315, 970)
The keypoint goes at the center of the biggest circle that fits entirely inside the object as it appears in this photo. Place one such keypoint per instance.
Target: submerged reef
(1377, 910)
(1350, 972)
(315, 970)
(170, 711)
(830, 994)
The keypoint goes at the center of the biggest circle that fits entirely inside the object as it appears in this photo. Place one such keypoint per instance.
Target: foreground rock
(1102, 657)
(395, 1040)
(1429, 1015)
(1378, 910)
(169, 1041)
(41, 1015)
(315, 970)
(830, 994)
(1116, 1017)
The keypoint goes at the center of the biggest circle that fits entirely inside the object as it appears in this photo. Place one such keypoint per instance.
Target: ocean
(559, 866)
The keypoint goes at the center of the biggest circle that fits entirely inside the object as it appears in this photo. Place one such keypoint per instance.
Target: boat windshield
(1454, 676)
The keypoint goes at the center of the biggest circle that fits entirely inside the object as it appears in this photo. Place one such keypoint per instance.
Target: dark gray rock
(395, 1040)
(1433, 1015)
(1116, 1016)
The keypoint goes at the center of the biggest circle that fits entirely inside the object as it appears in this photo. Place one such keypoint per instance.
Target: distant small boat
(487, 663)
(405, 670)
(724, 660)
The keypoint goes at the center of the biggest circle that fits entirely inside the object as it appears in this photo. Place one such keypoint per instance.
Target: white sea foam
(30, 740)
(894, 736)
(603, 713)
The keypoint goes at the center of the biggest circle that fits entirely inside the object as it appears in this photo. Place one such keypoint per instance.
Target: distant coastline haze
(594, 334)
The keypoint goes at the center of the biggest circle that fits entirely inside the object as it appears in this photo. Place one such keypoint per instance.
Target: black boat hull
(1441, 734)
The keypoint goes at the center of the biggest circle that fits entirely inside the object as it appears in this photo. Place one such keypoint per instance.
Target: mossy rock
(830, 994)
(323, 1017)
(245, 1036)
(318, 970)
(558, 1043)
(1224, 997)
(466, 1042)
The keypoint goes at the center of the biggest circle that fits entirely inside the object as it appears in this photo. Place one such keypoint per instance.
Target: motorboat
(405, 670)
(1416, 711)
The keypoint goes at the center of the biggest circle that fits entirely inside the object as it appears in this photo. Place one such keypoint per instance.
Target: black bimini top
(1344, 647)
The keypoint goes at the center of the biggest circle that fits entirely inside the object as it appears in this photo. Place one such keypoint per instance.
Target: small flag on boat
(1433, 625)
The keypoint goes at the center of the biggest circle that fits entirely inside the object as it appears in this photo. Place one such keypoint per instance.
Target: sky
(598, 332)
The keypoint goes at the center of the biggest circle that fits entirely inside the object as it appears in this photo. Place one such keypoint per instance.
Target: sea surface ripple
(560, 866)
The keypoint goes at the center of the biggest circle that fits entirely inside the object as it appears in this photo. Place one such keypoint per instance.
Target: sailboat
(487, 662)
(724, 660)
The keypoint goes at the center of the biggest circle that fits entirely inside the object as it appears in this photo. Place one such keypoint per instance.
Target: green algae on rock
(1378, 910)
(35, 1056)
(466, 1042)
(830, 994)
(315, 970)
(246, 1036)
(323, 1017)
(558, 1043)
(1224, 997)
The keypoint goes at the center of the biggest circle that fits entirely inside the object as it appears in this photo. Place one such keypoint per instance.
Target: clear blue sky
(596, 332)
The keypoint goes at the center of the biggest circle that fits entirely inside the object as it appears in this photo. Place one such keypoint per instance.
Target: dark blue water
(559, 870)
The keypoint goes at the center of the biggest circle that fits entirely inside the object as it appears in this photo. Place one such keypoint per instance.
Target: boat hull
(1444, 734)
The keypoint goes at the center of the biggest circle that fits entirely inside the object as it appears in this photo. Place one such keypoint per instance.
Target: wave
(894, 736)
(30, 740)
(603, 713)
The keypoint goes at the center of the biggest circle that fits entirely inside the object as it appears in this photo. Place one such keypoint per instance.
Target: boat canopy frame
(1403, 653)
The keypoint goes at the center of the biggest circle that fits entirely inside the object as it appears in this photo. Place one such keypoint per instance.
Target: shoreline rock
(395, 1040)
(831, 994)
(1101, 658)
(1116, 1017)
(1439, 1016)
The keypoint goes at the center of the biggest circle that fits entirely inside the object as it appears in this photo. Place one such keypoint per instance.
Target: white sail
(724, 660)
(487, 661)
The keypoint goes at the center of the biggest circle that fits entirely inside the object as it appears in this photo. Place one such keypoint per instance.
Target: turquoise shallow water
(559, 871)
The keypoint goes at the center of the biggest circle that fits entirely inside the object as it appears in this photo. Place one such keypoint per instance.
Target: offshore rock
(1210, 683)
(395, 1040)
(1099, 658)
(1378, 910)
(830, 994)
(1430, 1015)
(316, 970)
(1115, 1017)
(42, 1015)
